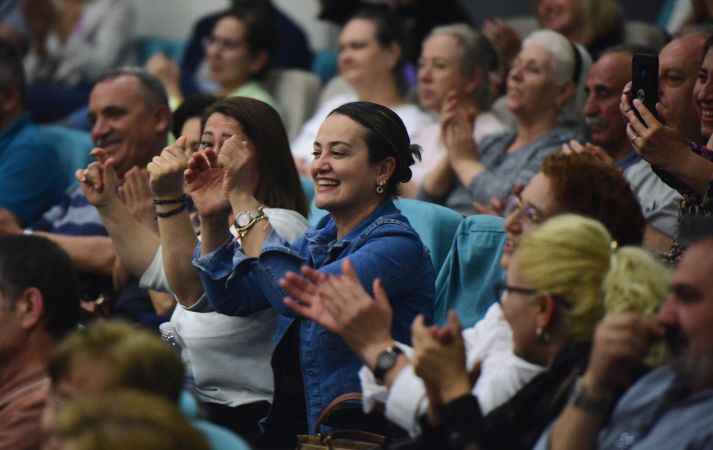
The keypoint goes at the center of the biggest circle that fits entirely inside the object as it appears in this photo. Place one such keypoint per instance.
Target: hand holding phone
(645, 82)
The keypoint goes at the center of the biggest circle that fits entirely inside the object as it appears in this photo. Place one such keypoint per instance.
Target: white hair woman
(540, 85)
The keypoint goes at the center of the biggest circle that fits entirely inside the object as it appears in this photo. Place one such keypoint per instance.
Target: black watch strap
(386, 361)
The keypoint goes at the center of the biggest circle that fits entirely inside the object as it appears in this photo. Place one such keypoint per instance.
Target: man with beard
(670, 407)
(607, 129)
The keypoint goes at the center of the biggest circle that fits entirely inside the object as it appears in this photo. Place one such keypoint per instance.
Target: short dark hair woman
(362, 152)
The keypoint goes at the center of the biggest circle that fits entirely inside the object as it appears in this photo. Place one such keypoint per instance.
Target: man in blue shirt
(670, 407)
(30, 171)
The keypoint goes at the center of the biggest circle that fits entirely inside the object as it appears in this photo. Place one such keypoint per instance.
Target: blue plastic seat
(218, 437)
(72, 147)
(467, 278)
(147, 46)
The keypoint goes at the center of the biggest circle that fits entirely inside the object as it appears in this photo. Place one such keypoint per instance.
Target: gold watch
(245, 220)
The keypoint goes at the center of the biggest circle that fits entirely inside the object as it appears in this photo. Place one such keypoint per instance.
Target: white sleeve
(502, 374)
(288, 224)
(407, 401)
(154, 277)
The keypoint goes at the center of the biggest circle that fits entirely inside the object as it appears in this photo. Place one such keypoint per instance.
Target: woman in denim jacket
(361, 154)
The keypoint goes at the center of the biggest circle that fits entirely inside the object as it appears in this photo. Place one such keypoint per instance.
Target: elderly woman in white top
(540, 85)
(370, 61)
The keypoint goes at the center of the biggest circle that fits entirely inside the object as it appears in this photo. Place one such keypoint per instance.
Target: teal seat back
(435, 224)
(71, 146)
(218, 437)
(147, 46)
(471, 269)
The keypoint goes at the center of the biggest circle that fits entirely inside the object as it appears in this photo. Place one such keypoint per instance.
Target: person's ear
(546, 309)
(258, 61)
(29, 308)
(385, 170)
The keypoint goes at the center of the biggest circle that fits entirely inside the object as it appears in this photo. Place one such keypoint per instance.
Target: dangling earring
(380, 188)
(543, 337)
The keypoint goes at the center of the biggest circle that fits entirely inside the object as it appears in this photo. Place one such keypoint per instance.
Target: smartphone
(645, 81)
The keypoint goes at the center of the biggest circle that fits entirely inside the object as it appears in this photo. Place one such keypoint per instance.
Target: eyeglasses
(515, 205)
(501, 287)
(223, 44)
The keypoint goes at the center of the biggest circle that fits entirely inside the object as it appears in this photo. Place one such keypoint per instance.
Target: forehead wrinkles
(124, 91)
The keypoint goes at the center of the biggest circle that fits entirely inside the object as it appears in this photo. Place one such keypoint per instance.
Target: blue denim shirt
(382, 246)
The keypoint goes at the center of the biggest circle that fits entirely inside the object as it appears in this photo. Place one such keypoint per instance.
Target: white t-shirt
(228, 356)
(414, 119)
(502, 374)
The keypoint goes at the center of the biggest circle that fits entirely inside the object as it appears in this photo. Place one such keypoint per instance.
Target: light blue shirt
(655, 414)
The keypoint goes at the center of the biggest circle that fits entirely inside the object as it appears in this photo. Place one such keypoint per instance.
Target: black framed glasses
(501, 287)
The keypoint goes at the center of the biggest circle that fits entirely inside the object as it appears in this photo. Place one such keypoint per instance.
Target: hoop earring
(380, 188)
(543, 337)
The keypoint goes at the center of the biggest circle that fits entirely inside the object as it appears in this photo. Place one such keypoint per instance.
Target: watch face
(243, 219)
(386, 360)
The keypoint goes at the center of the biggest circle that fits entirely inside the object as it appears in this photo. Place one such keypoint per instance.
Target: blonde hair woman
(564, 277)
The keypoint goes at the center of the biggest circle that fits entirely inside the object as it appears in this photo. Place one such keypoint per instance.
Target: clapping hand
(137, 196)
(457, 121)
(237, 158)
(204, 183)
(99, 181)
(440, 360)
(496, 207)
(166, 170)
(340, 304)
(574, 146)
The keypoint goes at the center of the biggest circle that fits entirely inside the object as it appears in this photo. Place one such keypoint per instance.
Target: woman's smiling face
(344, 178)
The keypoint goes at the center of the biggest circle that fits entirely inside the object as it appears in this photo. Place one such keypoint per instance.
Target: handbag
(343, 439)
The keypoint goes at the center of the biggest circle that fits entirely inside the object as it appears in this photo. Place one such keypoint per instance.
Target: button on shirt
(384, 245)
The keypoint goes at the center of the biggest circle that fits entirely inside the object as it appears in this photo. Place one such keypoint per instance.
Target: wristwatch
(245, 220)
(597, 406)
(385, 361)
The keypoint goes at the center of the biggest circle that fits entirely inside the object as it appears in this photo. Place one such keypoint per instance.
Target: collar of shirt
(325, 232)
